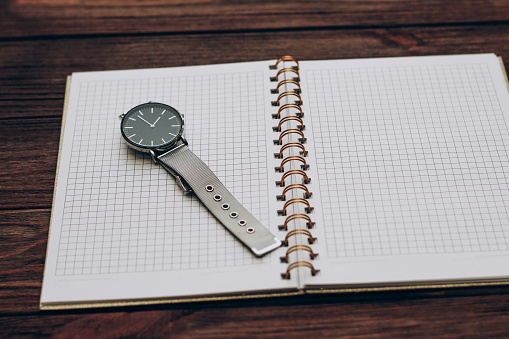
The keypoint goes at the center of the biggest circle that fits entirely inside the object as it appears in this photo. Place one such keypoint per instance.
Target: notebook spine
(293, 168)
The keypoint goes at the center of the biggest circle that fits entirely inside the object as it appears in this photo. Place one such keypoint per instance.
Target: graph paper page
(121, 227)
(411, 168)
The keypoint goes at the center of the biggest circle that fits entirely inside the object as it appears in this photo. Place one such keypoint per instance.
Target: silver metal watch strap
(214, 195)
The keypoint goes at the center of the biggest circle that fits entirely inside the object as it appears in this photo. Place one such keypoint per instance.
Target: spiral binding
(286, 119)
(285, 160)
(293, 164)
(306, 194)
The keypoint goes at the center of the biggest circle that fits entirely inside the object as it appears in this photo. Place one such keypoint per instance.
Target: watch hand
(153, 125)
(145, 121)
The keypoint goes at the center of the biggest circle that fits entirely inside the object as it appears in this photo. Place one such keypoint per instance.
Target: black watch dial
(152, 125)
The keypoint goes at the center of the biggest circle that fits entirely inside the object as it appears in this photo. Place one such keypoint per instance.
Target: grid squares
(123, 213)
(410, 159)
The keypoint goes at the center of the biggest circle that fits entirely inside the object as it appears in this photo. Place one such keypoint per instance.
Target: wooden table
(42, 41)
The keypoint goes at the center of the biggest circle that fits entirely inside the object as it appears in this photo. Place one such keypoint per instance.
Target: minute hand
(146, 121)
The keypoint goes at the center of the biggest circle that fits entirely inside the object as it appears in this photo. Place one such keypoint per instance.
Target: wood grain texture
(43, 41)
(23, 235)
(50, 17)
(41, 73)
(404, 317)
(28, 156)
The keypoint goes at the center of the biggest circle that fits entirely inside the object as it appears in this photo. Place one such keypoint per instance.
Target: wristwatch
(157, 129)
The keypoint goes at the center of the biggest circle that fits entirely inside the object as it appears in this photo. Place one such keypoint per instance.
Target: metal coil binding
(293, 165)
(299, 247)
(291, 217)
(286, 160)
(305, 178)
(311, 239)
(288, 188)
(297, 88)
(296, 76)
(287, 119)
(292, 201)
(290, 131)
(287, 106)
(302, 263)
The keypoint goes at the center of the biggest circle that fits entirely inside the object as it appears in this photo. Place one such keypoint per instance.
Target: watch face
(152, 125)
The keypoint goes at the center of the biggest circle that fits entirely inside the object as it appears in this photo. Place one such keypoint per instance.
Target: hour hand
(155, 122)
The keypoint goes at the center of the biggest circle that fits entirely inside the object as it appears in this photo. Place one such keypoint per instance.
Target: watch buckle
(180, 181)
(154, 156)
(183, 184)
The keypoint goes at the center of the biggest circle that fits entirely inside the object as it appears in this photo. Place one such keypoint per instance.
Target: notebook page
(121, 228)
(412, 158)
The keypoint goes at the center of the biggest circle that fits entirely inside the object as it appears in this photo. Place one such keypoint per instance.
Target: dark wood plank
(412, 317)
(31, 107)
(25, 18)
(28, 156)
(45, 63)
(23, 235)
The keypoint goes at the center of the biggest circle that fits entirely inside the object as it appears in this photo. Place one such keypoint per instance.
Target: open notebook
(375, 173)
